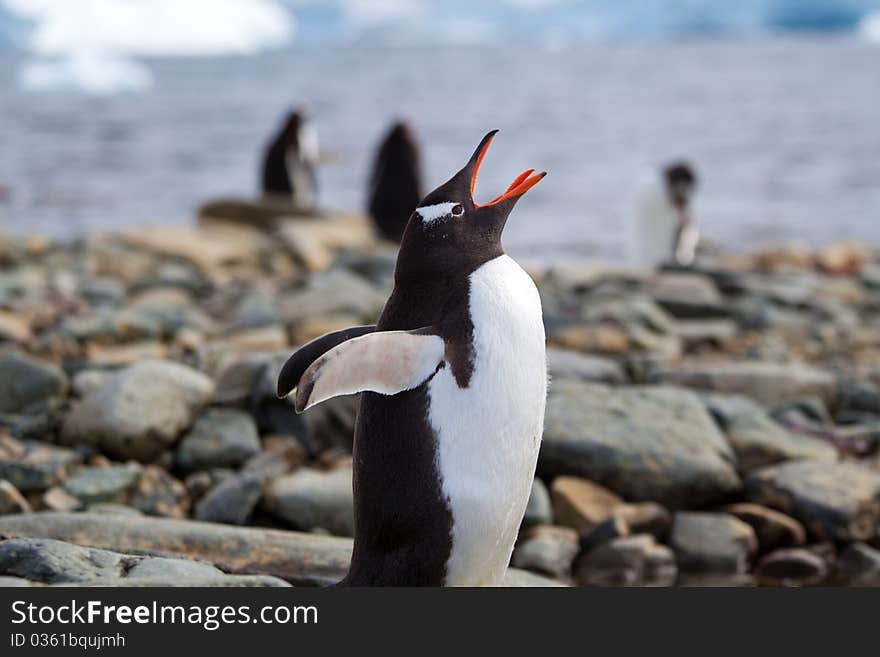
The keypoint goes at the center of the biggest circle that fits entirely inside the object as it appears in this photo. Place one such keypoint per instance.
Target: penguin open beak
(520, 185)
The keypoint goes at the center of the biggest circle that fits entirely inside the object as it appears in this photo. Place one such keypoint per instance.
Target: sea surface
(783, 131)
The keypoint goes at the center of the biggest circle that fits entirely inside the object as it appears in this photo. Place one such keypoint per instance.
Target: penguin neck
(424, 295)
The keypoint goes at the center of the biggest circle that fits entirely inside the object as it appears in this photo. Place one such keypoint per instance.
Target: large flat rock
(644, 443)
(304, 559)
(299, 558)
(769, 383)
(833, 500)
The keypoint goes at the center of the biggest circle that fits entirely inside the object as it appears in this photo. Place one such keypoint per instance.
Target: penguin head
(449, 227)
(680, 181)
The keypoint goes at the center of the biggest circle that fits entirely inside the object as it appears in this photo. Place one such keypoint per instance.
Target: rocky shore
(716, 426)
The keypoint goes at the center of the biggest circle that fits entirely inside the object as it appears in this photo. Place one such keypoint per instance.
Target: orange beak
(520, 185)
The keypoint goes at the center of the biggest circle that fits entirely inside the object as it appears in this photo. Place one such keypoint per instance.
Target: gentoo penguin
(453, 380)
(290, 162)
(396, 182)
(665, 230)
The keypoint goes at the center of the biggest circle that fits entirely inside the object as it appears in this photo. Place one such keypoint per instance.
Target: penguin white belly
(489, 433)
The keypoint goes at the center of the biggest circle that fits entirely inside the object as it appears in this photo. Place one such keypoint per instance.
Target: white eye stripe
(431, 213)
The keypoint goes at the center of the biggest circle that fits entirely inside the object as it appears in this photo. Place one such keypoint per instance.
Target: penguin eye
(457, 210)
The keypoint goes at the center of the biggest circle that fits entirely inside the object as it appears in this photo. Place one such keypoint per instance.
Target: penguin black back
(395, 182)
(276, 176)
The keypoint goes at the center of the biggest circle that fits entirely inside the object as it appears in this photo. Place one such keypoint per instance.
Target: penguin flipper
(299, 362)
(387, 362)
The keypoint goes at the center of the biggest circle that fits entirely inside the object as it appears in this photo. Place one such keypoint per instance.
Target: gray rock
(687, 295)
(539, 510)
(791, 567)
(103, 484)
(11, 501)
(644, 443)
(547, 549)
(833, 500)
(331, 292)
(114, 509)
(232, 500)
(140, 411)
(25, 381)
(312, 499)
(630, 561)
(772, 528)
(53, 562)
(857, 565)
(220, 438)
(568, 364)
(157, 493)
(172, 568)
(13, 582)
(34, 466)
(193, 581)
(516, 578)
(768, 383)
(108, 326)
(712, 543)
(757, 439)
(302, 559)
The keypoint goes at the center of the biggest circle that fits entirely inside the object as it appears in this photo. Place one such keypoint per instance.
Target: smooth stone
(140, 411)
(157, 493)
(645, 443)
(331, 292)
(857, 565)
(539, 510)
(546, 549)
(687, 295)
(13, 582)
(517, 578)
(791, 567)
(300, 558)
(220, 438)
(757, 439)
(14, 328)
(102, 484)
(12, 501)
(25, 381)
(34, 466)
(231, 501)
(711, 543)
(646, 518)
(772, 528)
(109, 326)
(113, 509)
(833, 500)
(193, 581)
(53, 562)
(629, 561)
(581, 504)
(58, 499)
(311, 499)
(567, 364)
(766, 382)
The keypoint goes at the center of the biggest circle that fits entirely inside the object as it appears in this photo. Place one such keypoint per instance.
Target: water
(784, 132)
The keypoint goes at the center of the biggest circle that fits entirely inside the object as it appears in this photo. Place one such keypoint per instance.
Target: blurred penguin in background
(665, 229)
(290, 162)
(396, 181)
